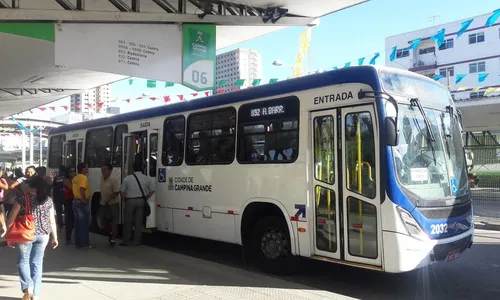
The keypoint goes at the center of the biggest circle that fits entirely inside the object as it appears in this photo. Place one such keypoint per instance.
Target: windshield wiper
(430, 135)
(446, 136)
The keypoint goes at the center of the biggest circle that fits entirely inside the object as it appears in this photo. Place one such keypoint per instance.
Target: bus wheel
(270, 246)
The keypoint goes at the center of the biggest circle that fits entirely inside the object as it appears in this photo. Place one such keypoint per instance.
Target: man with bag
(136, 189)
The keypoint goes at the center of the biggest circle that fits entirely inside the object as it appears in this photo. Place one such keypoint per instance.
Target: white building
(69, 118)
(238, 64)
(92, 101)
(477, 51)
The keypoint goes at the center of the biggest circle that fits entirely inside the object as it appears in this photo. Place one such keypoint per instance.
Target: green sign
(198, 56)
(41, 31)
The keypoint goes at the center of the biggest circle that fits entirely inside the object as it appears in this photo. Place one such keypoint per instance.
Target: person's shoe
(89, 246)
(112, 243)
(27, 294)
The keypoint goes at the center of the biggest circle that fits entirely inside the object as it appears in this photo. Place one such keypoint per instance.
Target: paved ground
(215, 271)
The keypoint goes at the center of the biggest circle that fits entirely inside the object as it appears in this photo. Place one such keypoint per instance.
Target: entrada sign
(332, 98)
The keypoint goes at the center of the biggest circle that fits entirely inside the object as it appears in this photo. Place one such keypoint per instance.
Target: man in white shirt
(134, 204)
(110, 203)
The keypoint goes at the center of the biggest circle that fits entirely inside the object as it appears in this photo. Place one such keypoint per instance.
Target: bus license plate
(453, 255)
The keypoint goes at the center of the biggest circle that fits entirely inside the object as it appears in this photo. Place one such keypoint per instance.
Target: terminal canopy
(30, 76)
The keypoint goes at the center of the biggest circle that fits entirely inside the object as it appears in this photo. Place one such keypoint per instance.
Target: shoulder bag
(23, 229)
(147, 209)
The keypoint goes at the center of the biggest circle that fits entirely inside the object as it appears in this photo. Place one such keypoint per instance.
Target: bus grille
(436, 213)
(441, 251)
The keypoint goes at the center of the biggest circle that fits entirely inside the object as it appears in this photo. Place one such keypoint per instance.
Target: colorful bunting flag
(360, 61)
(492, 19)
(459, 78)
(393, 53)
(239, 82)
(151, 83)
(481, 77)
(256, 82)
(414, 44)
(374, 58)
(439, 37)
(463, 27)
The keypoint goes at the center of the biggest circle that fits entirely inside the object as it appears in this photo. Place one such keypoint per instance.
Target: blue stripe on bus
(360, 74)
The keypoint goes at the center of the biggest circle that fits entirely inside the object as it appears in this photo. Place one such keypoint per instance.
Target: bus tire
(270, 247)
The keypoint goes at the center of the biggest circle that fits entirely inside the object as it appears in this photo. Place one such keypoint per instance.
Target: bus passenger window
(173, 141)
(98, 145)
(360, 157)
(269, 131)
(56, 151)
(211, 137)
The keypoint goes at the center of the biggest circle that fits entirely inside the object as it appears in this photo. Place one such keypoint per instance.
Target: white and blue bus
(362, 166)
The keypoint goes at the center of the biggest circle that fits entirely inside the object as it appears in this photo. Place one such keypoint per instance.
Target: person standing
(4, 187)
(69, 215)
(110, 207)
(31, 254)
(58, 195)
(81, 209)
(134, 204)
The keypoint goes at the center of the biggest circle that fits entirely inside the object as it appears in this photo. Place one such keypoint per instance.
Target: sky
(341, 37)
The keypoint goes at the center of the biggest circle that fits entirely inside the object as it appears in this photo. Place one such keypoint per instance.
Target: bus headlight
(411, 225)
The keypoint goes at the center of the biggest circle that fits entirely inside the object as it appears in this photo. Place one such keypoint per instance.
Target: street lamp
(279, 63)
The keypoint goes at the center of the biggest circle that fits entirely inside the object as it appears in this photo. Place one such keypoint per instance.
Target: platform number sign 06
(439, 228)
(199, 77)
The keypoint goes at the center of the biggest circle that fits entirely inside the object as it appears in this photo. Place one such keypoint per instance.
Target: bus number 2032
(439, 228)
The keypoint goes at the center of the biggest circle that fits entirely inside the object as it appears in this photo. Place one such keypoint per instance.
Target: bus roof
(360, 74)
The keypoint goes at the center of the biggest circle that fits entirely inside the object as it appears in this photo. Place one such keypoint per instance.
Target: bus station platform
(145, 273)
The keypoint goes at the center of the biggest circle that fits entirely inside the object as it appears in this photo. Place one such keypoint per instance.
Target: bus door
(151, 171)
(72, 153)
(79, 151)
(346, 185)
(325, 190)
(361, 185)
(141, 147)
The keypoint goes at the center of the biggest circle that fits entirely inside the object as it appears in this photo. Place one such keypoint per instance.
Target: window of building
(447, 44)
(427, 50)
(447, 72)
(117, 144)
(98, 145)
(475, 95)
(477, 67)
(56, 151)
(402, 53)
(268, 131)
(173, 141)
(211, 137)
(475, 38)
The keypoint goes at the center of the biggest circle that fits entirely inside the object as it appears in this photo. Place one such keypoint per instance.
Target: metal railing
(485, 171)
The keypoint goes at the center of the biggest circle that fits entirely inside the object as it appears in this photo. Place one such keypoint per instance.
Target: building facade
(476, 51)
(92, 101)
(237, 64)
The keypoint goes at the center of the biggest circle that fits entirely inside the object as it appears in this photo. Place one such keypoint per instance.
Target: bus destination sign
(267, 111)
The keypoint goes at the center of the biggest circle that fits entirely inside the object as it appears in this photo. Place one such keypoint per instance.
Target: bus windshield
(431, 169)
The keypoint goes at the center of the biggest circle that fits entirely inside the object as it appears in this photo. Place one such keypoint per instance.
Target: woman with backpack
(33, 202)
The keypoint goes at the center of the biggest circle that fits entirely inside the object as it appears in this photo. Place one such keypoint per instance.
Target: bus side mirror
(391, 132)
